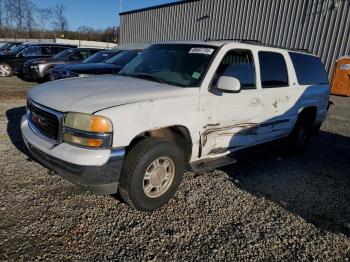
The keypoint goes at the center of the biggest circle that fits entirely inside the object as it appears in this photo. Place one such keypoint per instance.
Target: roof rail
(243, 40)
(258, 42)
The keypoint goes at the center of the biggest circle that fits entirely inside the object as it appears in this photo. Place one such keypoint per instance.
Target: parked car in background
(111, 66)
(39, 69)
(193, 104)
(8, 46)
(56, 72)
(12, 62)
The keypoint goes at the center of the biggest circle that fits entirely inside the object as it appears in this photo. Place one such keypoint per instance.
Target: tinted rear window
(309, 69)
(273, 70)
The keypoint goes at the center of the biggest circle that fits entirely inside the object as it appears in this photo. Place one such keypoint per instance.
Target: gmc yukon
(181, 105)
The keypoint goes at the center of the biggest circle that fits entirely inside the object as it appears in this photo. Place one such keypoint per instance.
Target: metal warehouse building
(320, 26)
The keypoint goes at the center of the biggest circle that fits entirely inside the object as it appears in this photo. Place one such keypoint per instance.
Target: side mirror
(20, 54)
(229, 84)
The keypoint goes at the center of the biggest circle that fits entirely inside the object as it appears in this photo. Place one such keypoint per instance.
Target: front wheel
(5, 70)
(152, 172)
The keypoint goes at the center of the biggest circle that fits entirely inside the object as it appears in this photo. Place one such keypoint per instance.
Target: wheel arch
(177, 134)
(308, 115)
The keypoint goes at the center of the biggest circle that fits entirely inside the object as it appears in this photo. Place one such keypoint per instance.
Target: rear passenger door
(277, 95)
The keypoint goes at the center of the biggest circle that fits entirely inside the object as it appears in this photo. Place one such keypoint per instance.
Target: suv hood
(91, 94)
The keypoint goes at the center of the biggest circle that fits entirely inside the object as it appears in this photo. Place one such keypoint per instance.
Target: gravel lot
(270, 207)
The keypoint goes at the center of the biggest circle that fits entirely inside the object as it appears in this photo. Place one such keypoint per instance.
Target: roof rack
(258, 42)
(235, 39)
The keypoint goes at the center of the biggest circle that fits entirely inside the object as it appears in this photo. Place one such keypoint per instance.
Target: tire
(6, 70)
(300, 135)
(43, 80)
(141, 161)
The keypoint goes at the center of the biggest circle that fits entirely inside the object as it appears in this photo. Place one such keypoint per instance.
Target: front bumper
(32, 73)
(96, 170)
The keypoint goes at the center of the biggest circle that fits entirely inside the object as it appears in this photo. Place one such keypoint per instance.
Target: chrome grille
(44, 120)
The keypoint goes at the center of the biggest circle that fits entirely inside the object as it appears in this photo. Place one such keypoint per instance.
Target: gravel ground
(270, 207)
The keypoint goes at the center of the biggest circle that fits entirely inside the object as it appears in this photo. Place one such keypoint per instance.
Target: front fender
(132, 119)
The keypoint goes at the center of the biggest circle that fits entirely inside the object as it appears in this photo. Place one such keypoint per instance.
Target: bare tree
(45, 15)
(60, 21)
(30, 10)
(8, 17)
(1, 15)
(18, 13)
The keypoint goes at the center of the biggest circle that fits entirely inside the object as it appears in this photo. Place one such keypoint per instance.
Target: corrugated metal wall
(320, 26)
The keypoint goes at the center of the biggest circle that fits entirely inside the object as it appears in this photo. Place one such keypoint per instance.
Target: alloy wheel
(158, 177)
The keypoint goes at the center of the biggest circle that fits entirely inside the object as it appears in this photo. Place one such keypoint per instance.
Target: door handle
(255, 102)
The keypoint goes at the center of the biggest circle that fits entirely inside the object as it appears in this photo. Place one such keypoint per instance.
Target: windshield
(176, 64)
(18, 49)
(6, 46)
(100, 57)
(64, 54)
(123, 58)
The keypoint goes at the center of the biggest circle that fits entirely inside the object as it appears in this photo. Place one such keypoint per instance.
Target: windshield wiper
(144, 76)
(153, 78)
(150, 77)
(123, 74)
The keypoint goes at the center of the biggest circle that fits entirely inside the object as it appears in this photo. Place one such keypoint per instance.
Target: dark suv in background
(8, 46)
(39, 69)
(111, 66)
(99, 57)
(12, 62)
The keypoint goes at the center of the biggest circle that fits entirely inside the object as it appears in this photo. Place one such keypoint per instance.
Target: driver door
(232, 119)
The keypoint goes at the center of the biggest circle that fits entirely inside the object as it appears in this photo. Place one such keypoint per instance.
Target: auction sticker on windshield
(201, 50)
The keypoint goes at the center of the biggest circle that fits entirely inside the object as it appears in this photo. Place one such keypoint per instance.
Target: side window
(273, 70)
(32, 51)
(47, 50)
(79, 55)
(238, 64)
(84, 54)
(58, 49)
(309, 69)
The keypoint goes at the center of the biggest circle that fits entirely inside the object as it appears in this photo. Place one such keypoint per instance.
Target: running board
(208, 164)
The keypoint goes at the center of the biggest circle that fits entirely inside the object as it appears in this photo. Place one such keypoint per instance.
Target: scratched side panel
(133, 119)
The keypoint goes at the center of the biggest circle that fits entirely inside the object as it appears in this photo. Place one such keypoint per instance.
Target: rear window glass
(309, 69)
(273, 70)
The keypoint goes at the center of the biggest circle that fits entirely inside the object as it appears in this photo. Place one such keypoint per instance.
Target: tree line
(23, 19)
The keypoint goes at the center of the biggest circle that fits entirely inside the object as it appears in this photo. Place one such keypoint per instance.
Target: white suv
(181, 105)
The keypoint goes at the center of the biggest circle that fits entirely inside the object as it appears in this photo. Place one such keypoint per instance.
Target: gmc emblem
(39, 120)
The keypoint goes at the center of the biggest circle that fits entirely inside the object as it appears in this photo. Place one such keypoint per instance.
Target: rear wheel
(300, 136)
(5, 70)
(151, 174)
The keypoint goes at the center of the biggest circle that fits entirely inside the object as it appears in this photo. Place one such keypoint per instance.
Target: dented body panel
(218, 123)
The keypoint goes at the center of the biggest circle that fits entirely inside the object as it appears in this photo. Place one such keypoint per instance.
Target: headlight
(87, 130)
(34, 66)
